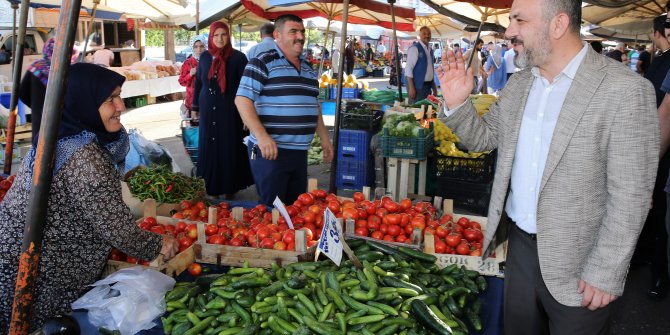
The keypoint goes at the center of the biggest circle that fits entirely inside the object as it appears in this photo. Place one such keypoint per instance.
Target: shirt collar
(569, 70)
(268, 39)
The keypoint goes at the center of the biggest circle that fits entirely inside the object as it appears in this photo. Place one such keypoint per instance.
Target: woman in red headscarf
(222, 156)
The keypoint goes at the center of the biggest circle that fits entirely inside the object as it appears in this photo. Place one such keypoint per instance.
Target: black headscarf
(88, 87)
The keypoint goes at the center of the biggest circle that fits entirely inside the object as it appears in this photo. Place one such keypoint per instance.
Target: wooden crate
(492, 263)
(137, 207)
(21, 133)
(257, 257)
(174, 266)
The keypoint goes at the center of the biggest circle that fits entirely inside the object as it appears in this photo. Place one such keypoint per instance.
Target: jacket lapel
(586, 82)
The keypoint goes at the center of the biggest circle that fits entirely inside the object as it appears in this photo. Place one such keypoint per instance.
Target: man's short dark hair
(659, 24)
(267, 29)
(641, 47)
(456, 45)
(479, 41)
(573, 8)
(597, 46)
(280, 21)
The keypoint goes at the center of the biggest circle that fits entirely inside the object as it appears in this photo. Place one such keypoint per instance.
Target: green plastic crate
(408, 147)
(324, 93)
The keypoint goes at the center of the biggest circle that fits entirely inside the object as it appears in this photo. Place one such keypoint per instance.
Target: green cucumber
(428, 319)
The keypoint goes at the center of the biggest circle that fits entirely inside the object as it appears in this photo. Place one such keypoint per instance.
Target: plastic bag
(145, 152)
(129, 300)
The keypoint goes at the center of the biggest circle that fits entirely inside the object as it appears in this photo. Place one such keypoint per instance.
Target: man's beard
(534, 55)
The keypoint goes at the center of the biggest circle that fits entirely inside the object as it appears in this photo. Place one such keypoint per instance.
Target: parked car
(182, 55)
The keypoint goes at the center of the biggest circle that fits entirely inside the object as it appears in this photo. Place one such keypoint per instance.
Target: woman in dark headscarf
(86, 215)
(222, 157)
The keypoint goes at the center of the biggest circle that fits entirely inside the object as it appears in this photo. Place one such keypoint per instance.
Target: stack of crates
(355, 167)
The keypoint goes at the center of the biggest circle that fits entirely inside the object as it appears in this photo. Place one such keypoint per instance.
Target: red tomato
(441, 232)
(291, 246)
(131, 260)
(408, 229)
(463, 249)
(446, 218)
(316, 209)
(392, 207)
(418, 222)
(236, 242)
(453, 239)
(211, 229)
(195, 269)
(298, 204)
(350, 213)
(402, 238)
(361, 224)
(184, 204)
(217, 239)
(389, 238)
(378, 234)
(463, 222)
(266, 243)
(275, 236)
(476, 252)
(192, 231)
(429, 231)
(475, 225)
(263, 233)
(151, 221)
(291, 210)
(145, 226)
(331, 197)
(358, 197)
(289, 236)
(394, 230)
(309, 217)
(384, 228)
(158, 229)
(185, 242)
(393, 219)
(381, 212)
(362, 213)
(306, 199)
(373, 225)
(170, 228)
(440, 246)
(361, 231)
(470, 234)
(370, 207)
(321, 194)
(309, 234)
(334, 206)
(279, 245)
(405, 204)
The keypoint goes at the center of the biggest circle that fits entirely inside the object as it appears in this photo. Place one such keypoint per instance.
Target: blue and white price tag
(330, 242)
(282, 210)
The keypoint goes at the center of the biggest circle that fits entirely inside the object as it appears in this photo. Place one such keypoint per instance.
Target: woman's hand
(170, 247)
(193, 71)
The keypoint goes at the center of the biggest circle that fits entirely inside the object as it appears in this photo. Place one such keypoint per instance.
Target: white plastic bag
(128, 300)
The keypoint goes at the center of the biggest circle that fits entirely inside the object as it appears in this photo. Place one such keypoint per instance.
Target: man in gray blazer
(578, 139)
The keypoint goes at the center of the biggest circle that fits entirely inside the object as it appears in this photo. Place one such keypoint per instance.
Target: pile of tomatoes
(463, 237)
(186, 235)
(5, 184)
(192, 210)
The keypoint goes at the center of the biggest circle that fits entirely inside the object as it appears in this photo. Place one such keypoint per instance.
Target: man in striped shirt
(277, 100)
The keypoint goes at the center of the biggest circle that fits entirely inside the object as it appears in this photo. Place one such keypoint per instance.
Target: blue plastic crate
(354, 145)
(328, 108)
(353, 175)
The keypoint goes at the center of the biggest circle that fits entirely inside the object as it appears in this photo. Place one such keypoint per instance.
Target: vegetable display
(315, 152)
(402, 125)
(402, 292)
(164, 186)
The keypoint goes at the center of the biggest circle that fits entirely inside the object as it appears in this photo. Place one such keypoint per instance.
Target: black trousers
(529, 307)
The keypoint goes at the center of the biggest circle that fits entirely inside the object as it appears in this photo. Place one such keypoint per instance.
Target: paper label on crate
(282, 210)
(330, 242)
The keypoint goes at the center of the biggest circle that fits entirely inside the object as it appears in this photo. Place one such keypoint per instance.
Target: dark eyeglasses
(667, 24)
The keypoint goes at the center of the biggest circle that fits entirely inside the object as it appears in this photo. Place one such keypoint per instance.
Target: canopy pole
(395, 51)
(239, 26)
(479, 32)
(197, 17)
(82, 56)
(42, 173)
(325, 42)
(17, 56)
(15, 7)
(338, 98)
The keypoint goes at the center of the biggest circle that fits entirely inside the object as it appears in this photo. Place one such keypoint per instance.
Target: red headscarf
(221, 55)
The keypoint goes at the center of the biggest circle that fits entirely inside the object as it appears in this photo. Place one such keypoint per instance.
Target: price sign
(282, 210)
(330, 242)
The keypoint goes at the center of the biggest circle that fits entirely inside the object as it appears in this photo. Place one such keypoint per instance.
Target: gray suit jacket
(596, 187)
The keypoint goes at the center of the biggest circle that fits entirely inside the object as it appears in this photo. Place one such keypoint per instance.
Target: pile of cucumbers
(381, 96)
(398, 291)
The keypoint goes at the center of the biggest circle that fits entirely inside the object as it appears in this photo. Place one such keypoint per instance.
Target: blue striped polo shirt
(285, 99)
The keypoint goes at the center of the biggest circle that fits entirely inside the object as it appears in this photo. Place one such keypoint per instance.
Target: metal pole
(19, 40)
(197, 17)
(239, 26)
(15, 7)
(479, 32)
(395, 50)
(338, 98)
(42, 172)
(325, 42)
(82, 56)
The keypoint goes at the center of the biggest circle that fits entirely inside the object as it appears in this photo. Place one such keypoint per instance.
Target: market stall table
(151, 87)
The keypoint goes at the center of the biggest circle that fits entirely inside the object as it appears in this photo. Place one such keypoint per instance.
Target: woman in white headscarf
(495, 67)
(188, 69)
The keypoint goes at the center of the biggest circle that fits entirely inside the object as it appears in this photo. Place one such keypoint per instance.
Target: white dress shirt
(543, 107)
(413, 57)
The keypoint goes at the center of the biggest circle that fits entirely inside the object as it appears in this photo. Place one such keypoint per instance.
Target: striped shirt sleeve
(253, 80)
